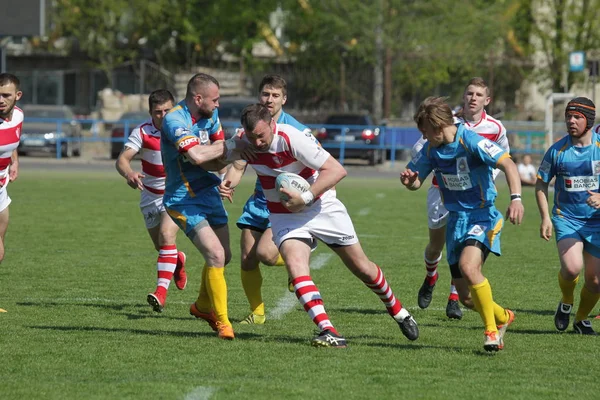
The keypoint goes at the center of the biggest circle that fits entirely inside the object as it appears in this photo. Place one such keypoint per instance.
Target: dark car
(357, 132)
(230, 111)
(128, 121)
(45, 125)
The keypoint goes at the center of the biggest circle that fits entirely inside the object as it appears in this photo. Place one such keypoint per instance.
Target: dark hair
(480, 82)
(198, 82)
(158, 97)
(6, 78)
(254, 113)
(274, 81)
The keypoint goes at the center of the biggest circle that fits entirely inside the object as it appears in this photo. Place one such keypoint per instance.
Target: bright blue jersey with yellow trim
(463, 169)
(287, 119)
(577, 170)
(185, 179)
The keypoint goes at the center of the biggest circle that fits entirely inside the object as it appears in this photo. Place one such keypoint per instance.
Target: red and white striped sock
(432, 275)
(165, 266)
(381, 288)
(453, 293)
(310, 298)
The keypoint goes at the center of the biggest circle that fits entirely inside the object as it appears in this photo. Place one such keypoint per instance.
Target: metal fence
(394, 141)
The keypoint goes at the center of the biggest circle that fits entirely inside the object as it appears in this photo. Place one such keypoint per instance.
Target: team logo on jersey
(490, 148)
(476, 230)
(283, 232)
(581, 183)
(462, 167)
(417, 157)
(562, 170)
(277, 160)
(596, 167)
(457, 182)
(203, 136)
(179, 132)
(545, 167)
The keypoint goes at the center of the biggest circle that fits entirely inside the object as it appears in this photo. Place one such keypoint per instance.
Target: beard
(204, 113)
(6, 113)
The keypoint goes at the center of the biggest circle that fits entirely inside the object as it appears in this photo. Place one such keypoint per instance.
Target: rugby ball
(290, 181)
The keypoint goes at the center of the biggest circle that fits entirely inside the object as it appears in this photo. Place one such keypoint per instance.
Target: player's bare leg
(3, 227)
(590, 293)
(359, 264)
(251, 276)
(268, 253)
(570, 254)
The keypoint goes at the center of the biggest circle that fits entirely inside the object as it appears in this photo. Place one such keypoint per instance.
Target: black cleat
(562, 315)
(425, 294)
(409, 328)
(453, 310)
(329, 339)
(584, 328)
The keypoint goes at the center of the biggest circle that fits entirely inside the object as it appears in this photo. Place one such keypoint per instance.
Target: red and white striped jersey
(145, 139)
(10, 134)
(291, 151)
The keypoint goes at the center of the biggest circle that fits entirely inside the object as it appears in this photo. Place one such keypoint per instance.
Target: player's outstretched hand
(292, 200)
(408, 178)
(594, 199)
(546, 229)
(134, 180)
(226, 191)
(515, 212)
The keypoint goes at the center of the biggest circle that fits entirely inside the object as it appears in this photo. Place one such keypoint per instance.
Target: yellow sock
(279, 262)
(203, 302)
(252, 284)
(587, 302)
(567, 288)
(484, 303)
(500, 314)
(217, 291)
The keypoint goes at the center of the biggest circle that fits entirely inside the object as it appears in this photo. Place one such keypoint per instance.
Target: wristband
(308, 197)
(515, 197)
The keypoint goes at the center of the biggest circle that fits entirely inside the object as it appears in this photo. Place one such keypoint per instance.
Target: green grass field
(79, 265)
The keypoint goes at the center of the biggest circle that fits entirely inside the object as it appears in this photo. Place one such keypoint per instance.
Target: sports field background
(79, 265)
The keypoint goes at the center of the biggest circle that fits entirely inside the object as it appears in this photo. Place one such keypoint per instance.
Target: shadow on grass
(153, 332)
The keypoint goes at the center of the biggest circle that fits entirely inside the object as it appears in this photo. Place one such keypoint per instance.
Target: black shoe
(425, 294)
(562, 315)
(409, 328)
(453, 310)
(584, 328)
(329, 339)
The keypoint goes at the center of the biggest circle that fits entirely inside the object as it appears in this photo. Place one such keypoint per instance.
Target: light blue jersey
(577, 170)
(255, 214)
(180, 132)
(191, 197)
(462, 168)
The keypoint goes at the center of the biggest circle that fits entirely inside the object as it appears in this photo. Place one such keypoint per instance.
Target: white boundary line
(364, 212)
(200, 393)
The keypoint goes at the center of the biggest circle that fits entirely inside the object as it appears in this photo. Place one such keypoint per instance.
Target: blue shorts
(255, 215)
(484, 225)
(189, 212)
(583, 231)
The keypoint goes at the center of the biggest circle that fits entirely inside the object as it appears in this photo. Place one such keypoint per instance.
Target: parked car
(44, 125)
(230, 111)
(360, 136)
(117, 133)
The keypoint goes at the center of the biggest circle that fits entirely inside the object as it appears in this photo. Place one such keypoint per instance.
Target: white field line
(200, 393)
(380, 195)
(288, 301)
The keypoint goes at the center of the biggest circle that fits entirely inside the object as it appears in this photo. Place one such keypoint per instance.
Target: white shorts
(4, 199)
(327, 220)
(152, 213)
(437, 215)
